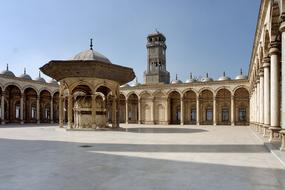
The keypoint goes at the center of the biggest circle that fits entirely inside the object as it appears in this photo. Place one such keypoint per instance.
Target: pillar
(214, 111)
(22, 108)
(261, 97)
(51, 109)
(181, 111)
(61, 111)
(152, 111)
(93, 111)
(139, 110)
(114, 111)
(266, 91)
(38, 109)
(127, 111)
(167, 111)
(197, 111)
(282, 30)
(232, 111)
(257, 101)
(3, 108)
(69, 111)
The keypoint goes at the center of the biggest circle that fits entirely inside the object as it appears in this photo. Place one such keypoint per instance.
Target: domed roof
(224, 77)
(190, 80)
(136, 83)
(206, 79)
(25, 75)
(241, 76)
(91, 55)
(40, 79)
(125, 85)
(176, 81)
(52, 81)
(7, 72)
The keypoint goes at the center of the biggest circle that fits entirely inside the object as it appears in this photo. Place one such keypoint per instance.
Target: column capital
(266, 62)
(282, 24)
(261, 72)
(274, 48)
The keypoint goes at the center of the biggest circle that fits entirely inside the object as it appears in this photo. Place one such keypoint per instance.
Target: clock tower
(156, 60)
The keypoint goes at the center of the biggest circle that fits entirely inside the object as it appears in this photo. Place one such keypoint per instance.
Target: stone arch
(190, 106)
(130, 93)
(44, 89)
(30, 104)
(78, 83)
(238, 87)
(206, 88)
(224, 87)
(122, 108)
(241, 106)
(223, 106)
(206, 111)
(160, 102)
(189, 89)
(12, 84)
(174, 98)
(173, 90)
(147, 106)
(12, 106)
(45, 106)
(32, 87)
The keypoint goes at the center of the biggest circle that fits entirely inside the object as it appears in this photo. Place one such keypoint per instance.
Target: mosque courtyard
(138, 157)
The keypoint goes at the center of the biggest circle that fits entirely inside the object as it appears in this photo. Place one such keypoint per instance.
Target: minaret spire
(91, 44)
(24, 70)
(39, 74)
(190, 75)
(7, 67)
(240, 71)
(176, 77)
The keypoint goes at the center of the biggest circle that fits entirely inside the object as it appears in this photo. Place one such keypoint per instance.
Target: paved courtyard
(140, 158)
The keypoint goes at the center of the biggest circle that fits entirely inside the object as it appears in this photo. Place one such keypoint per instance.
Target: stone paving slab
(141, 157)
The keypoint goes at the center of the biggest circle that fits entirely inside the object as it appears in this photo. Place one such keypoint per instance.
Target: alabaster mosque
(90, 92)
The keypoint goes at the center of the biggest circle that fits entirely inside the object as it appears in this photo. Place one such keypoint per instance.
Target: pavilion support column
(274, 91)
(38, 109)
(261, 99)
(282, 30)
(51, 110)
(22, 108)
(214, 111)
(69, 111)
(181, 111)
(114, 113)
(266, 92)
(197, 111)
(60, 117)
(3, 108)
(94, 111)
(127, 111)
(139, 110)
(232, 111)
(152, 112)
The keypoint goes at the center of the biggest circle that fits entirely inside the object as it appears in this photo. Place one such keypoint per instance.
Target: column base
(52, 122)
(265, 128)
(232, 124)
(3, 123)
(38, 122)
(273, 130)
(282, 133)
(22, 122)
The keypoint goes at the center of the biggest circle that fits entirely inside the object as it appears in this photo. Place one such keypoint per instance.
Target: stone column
(38, 109)
(69, 111)
(282, 30)
(197, 111)
(214, 111)
(139, 110)
(60, 107)
(167, 111)
(261, 98)
(114, 115)
(51, 110)
(257, 102)
(152, 111)
(3, 108)
(181, 111)
(266, 93)
(93, 111)
(274, 90)
(232, 111)
(127, 111)
(22, 108)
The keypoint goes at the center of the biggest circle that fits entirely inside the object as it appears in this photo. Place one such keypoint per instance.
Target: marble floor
(140, 157)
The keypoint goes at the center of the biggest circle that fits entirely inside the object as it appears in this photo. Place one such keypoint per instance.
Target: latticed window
(242, 114)
(225, 114)
(209, 115)
(193, 114)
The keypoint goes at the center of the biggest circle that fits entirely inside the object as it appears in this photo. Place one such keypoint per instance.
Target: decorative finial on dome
(176, 77)
(190, 75)
(24, 70)
(136, 80)
(39, 74)
(7, 67)
(240, 71)
(157, 31)
(91, 44)
(224, 73)
(207, 75)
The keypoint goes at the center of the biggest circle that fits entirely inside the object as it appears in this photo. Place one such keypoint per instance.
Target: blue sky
(202, 36)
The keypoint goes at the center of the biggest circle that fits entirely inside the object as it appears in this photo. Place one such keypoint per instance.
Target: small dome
(52, 81)
(7, 72)
(241, 76)
(136, 83)
(176, 81)
(224, 77)
(40, 79)
(25, 75)
(206, 79)
(190, 80)
(91, 55)
(125, 85)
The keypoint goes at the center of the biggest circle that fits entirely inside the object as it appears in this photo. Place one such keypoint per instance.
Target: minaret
(156, 59)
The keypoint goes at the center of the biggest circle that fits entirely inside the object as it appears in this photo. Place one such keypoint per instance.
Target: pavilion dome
(224, 77)
(40, 79)
(206, 79)
(190, 80)
(25, 75)
(52, 81)
(176, 81)
(7, 72)
(241, 76)
(125, 85)
(136, 83)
